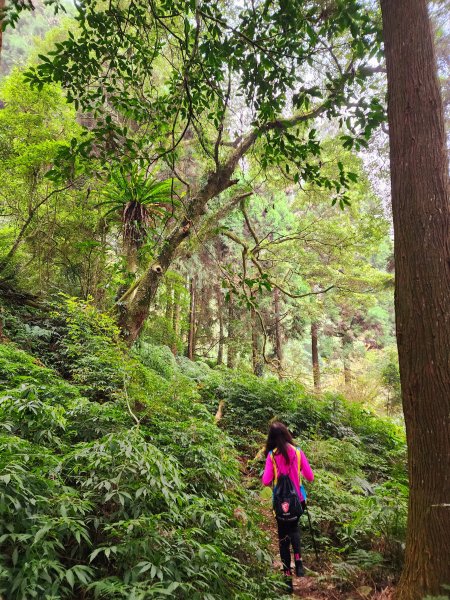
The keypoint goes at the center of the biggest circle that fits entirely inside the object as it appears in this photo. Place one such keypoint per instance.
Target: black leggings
(288, 533)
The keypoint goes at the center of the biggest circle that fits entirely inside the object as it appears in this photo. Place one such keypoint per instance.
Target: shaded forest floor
(315, 585)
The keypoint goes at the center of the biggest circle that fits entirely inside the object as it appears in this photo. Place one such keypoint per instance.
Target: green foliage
(250, 402)
(115, 480)
(198, 371)
(132, 186)
(359, 495)
(380, 521)
(357, 566)
(390, 376)
(210, 46)
(52, 239)
(92, 504)
(158, 358)
(159, 331)
(91, 349)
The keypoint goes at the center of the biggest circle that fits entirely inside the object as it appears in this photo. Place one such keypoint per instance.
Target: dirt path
(309, 587)
(304, 587)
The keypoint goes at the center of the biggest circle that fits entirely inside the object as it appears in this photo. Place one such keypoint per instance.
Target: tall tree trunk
(257, 358)
(315, 354)
(2, 8)
(169, 303)
(420, 207)
(191, 332)
(176, 319)
(347, 345)
(231, 336)
(277, 333)
(221, 332)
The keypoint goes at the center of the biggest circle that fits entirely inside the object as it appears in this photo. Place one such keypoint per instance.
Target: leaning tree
(193, 87)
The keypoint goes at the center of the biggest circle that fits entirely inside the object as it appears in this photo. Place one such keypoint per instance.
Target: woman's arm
(305, 468)
(267, 477)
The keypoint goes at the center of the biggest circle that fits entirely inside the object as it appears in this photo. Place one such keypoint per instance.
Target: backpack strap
(299, 465)
(275, 470)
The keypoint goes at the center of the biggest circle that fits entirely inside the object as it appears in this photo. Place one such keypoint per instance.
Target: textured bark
(221, 331)
(257, 357)
(2, 8)
(315, 354)
(420, 207)
(347, 344)
(231, 350)
(192, 323)
(277, 329)
(134, 304)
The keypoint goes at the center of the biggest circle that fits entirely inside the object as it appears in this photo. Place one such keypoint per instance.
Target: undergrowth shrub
(118, 488)
(157, 358)
(92, 350)
(358, 498)
(380, 522)
(117, 483)
(358, 566)
(159, 331)
(249, 404)
(198, 371)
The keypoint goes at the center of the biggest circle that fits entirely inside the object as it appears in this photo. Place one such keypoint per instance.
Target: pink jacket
(290, 469)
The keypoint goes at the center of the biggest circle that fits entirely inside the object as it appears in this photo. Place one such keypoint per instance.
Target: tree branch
(249, 225)
(273, 283)
(7, 259)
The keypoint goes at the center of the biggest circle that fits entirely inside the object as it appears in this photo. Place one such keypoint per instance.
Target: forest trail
(308, 587)
(304, 587)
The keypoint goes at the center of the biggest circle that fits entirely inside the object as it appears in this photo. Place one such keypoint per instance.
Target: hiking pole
(311, 530)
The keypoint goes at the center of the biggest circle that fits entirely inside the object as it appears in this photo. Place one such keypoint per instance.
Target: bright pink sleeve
(267, 477)
(306, 469)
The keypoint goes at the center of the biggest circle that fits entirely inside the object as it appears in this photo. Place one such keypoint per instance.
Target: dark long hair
(279, 437)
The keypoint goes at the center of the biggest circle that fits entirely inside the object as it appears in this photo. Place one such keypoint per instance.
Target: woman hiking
(283, 458)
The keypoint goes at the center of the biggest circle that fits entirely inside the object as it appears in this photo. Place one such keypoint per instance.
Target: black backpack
(286, 503)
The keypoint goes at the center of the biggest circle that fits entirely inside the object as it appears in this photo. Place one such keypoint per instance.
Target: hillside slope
(116, 481)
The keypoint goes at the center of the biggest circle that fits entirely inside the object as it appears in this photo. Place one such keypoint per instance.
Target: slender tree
(176, 318)
(2, 10)
(315, 354)
(192, 320)
(277, 328)
(221, 328)
(231, 335)
(420, 207)
(257, 355)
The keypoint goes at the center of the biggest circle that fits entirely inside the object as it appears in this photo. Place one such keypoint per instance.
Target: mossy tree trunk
(257, 346)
